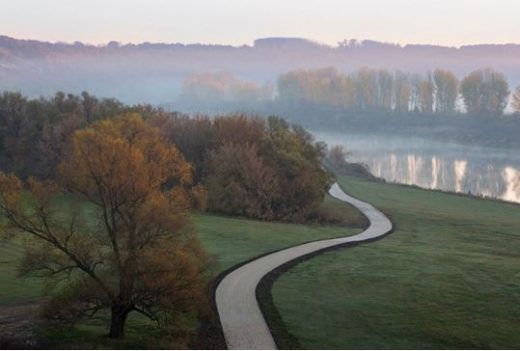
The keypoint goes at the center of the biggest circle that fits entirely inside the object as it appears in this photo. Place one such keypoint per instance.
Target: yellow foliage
(139, 257)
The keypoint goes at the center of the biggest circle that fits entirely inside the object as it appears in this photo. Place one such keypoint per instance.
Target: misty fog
(153, 72)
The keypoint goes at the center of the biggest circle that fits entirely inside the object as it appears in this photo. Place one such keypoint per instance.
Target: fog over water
(430, 164)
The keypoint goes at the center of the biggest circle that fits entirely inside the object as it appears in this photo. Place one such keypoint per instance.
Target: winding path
(242, 321)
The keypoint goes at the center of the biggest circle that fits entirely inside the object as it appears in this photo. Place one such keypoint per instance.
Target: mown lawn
(228, 240)
(232, 240)
(448, 277)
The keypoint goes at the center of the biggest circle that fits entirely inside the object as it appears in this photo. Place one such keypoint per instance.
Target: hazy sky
(447, 22)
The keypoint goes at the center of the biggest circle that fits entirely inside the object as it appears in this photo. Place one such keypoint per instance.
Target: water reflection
(433, 165)
(512, 180)
(460, 173)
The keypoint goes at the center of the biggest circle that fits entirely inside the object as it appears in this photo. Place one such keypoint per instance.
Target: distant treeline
(31, 66)
(482, 92)
(208, 87)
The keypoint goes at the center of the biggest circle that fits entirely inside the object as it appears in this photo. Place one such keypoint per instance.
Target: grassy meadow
(448, 277)
(228, 240)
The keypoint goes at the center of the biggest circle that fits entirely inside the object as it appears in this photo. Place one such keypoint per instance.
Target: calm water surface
(429, 164)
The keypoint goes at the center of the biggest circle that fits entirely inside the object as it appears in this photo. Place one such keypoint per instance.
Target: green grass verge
(232, 241)
(228, 240)
(448, 277)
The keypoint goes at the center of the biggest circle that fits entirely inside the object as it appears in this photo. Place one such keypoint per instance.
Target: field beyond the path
(447, 277)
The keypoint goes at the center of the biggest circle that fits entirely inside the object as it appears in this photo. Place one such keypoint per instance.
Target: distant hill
(152, 72)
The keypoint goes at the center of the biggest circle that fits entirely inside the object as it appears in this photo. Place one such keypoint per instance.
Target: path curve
(242, 321)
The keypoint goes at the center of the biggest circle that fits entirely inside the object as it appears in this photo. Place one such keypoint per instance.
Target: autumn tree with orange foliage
(139, 254)
(264, 170)
(249, 166)
(240, 182)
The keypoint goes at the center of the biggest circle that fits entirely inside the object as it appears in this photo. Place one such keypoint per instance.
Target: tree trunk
(117, 325)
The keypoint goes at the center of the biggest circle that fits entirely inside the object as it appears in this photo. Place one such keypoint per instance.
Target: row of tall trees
(368, 90)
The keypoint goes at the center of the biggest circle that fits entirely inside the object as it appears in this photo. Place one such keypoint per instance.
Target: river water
(477, 170)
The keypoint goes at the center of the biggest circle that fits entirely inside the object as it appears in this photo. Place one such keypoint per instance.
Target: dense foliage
(34, 133)
(250, 167)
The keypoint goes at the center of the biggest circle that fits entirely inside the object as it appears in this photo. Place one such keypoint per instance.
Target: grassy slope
(232, 240)
(446, 278)
(229, 240)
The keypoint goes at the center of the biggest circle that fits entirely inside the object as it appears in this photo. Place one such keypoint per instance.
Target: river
(490, 172)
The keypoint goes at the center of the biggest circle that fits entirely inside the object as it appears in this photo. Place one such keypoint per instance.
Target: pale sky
(236, 22)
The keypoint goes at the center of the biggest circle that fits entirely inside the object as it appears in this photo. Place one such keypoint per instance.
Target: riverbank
(474, 170)
(488, 131)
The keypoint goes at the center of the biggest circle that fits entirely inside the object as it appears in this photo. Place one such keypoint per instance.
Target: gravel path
(242, 321)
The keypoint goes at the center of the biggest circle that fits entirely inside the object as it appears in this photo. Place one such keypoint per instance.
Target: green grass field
(228, 240)
(232, 240)
(448, 277)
